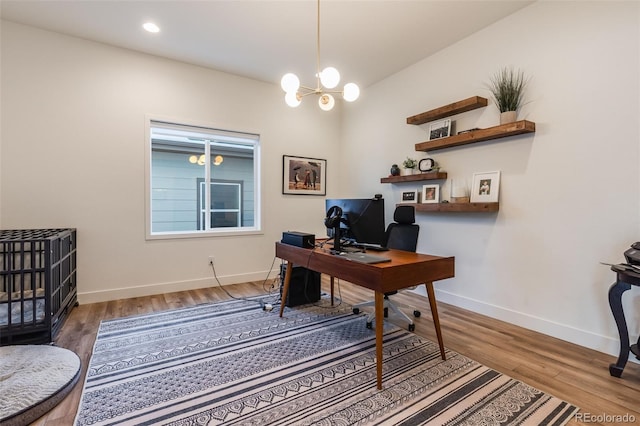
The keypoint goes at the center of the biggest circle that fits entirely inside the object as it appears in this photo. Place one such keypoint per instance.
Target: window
(201, 181)
(226, 203)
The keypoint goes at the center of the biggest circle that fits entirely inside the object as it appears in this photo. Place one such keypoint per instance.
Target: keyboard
(364, 258)
(370, 246)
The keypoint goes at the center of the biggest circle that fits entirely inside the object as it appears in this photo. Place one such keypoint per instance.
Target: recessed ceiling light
(151, 27)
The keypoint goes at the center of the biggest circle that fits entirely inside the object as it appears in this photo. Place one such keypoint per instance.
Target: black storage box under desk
(304, 286)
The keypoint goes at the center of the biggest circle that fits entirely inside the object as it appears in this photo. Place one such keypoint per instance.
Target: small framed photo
(304, 176)
(440, 129)
(485, 187)
(409, 197)
(430, 194)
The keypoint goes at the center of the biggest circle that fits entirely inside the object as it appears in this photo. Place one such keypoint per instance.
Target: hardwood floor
(573, 373)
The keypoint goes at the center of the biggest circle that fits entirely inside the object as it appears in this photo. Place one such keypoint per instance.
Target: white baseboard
(604, 344)
(168, 287)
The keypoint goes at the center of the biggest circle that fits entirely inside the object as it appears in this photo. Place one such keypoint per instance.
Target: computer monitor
(363, 219)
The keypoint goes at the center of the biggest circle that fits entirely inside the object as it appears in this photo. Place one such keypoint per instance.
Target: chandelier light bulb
(326, 102)
(290, 82)
(218, 160)
(292, 99)
(351, 92)
(193, 159)
(330, 77)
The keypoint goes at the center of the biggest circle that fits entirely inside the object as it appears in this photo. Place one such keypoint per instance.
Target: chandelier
(329, 78)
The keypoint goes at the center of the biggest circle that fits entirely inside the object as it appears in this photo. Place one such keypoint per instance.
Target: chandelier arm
(303, 94)
(307, 88)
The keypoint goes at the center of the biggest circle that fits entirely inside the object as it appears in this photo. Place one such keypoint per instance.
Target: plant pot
(507, 117)
(406, 172)
(459, 191)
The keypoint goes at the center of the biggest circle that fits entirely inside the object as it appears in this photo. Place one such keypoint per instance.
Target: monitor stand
(337, 236)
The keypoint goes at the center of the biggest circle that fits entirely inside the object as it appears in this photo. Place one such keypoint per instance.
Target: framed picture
(485, 187)
(440, 129)
(430, 193)
(409, 197)
(304, 176)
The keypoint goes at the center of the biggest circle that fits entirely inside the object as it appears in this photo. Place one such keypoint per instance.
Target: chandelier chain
(318, 89)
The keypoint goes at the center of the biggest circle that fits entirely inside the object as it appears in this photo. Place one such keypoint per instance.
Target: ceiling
(263, 39)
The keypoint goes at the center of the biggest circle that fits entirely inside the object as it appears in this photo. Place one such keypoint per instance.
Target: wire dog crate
(38, 283)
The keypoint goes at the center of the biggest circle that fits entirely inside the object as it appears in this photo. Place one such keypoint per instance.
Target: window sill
(204, 234)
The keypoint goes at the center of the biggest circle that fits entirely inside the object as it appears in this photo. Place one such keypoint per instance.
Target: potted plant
(409, 165)
(507, 89)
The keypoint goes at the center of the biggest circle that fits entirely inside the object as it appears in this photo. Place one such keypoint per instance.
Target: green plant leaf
(507, 88)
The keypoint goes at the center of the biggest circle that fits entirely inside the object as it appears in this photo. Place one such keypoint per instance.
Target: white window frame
(202, 210)
(252, 138)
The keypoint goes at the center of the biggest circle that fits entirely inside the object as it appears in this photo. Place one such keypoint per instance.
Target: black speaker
(304, 286)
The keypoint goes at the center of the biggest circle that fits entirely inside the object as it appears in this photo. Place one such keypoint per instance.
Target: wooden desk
(406, 269)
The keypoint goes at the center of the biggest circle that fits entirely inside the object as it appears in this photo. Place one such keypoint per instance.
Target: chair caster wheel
(356, 311)
(412, 327)
(386, 312)
(369, 325)
(416, 314)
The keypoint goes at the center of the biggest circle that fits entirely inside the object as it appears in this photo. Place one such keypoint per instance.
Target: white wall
(72, 115)
(73, 129)
(569, 193)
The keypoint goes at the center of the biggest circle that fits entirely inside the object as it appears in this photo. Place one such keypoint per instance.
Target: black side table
(624, 280)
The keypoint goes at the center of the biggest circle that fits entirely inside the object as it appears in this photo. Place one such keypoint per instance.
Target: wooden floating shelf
(465, 105)
(456, 207)
(414, 178)
(496, 132)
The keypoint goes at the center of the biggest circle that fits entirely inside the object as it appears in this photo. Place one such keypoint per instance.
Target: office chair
(402, 234)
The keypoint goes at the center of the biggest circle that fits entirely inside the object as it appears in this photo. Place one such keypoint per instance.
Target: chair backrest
(402, 234)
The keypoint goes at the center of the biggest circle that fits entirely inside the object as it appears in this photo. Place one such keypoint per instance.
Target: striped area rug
(233, 363)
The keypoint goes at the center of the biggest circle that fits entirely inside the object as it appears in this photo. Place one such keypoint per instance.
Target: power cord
(264, 305)
(274, 281)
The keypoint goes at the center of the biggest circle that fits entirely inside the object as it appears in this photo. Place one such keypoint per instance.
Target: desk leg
(436, 319)
(332, 282)
(285, 288)
(615, 303)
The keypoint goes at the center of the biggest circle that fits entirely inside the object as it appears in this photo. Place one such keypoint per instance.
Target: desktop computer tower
(304, 286)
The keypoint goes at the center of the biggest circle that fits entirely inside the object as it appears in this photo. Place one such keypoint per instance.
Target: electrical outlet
(211, 259)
